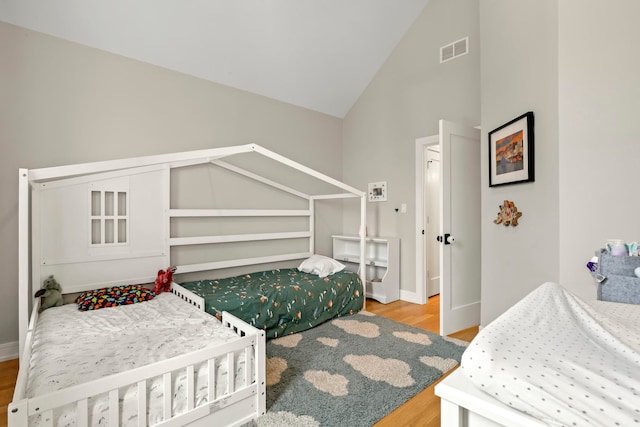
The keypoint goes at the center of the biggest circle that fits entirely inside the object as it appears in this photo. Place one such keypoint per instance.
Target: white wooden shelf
(382, 259)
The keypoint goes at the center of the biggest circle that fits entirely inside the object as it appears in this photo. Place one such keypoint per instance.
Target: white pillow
(320, 265)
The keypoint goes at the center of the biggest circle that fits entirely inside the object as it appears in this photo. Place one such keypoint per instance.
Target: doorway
(432, 218)
(457, 228)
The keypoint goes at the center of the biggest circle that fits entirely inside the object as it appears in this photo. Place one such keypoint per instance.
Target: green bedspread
(283, 301)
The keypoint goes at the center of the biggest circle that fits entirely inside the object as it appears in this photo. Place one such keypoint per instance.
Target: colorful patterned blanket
(282, 301)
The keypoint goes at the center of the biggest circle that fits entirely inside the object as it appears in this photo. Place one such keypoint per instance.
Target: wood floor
(422, 410)
(8, 374)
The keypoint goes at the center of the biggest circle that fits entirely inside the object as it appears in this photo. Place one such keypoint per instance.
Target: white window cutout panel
(109, 213)
(65, 236)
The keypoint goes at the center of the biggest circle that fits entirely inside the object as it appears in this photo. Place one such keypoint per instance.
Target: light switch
(403, 208)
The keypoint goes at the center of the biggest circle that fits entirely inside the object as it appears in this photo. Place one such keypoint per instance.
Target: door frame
(421, 274)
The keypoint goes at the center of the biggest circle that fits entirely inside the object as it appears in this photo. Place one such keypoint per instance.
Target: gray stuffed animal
(52, 293)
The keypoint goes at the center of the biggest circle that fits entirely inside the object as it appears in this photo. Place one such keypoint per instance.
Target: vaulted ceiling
(317, 54)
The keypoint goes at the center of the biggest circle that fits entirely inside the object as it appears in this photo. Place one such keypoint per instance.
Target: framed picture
(378, 191)
(511, 152)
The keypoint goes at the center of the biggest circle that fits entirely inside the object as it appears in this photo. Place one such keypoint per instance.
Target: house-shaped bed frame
(109, 223)
(62, 196)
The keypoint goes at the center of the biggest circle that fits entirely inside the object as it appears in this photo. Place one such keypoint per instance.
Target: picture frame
(511, 152)
(378, 191)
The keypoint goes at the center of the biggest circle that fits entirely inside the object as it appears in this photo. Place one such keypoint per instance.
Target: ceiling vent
(454, 50)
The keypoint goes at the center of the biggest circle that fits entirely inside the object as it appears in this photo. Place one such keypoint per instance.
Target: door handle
(447, 239)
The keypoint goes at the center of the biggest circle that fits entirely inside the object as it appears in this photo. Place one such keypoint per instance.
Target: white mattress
(72, 347)
(561, 360)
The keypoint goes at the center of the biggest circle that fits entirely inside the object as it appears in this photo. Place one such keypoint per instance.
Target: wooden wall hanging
(508, 214)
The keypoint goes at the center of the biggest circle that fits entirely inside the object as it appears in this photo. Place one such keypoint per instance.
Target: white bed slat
(190, 388)
(58, 172)
(334, 196)
(200, 240)
(142, 403)
(248, 372)
(166, 396)
(307, 170)
(114, 409)
(82, 417)
(259, 178)
(190, 268)
(231, 368)
(211, 380)
(212, 213)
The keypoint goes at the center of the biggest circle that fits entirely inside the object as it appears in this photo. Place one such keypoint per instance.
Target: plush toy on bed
(51, 291)
(163, 281)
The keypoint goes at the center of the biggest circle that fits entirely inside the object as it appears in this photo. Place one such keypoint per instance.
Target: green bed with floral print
(282, 301)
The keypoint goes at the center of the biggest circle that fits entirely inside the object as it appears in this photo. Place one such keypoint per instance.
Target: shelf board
(372, 262)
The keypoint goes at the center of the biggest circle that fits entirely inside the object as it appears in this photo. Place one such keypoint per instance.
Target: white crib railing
(247, 397)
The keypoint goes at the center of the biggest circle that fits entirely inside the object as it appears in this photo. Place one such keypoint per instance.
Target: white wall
(405, 100)
(518, 74)
(599, 103)
(63, 103)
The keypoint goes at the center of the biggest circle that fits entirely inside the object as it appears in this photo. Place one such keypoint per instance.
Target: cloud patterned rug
(351, 371)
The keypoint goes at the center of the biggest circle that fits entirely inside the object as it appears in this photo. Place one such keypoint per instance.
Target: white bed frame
(237, 405)
(38, 201)
(463, 405)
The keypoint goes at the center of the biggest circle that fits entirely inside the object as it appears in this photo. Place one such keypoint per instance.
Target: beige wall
(405, 101)
(571, 62)
(599, 102)
(63, 103)
(519, 73)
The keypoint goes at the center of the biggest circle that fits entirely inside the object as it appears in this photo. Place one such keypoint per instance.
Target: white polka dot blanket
(561, 360)
(351, 371)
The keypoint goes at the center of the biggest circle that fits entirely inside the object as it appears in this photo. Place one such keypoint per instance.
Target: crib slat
(166, 396)
(82, 411)
(190, 388)
(211, 385)
(142, 403)
(114, 409)
(231, 370)
(248, 373)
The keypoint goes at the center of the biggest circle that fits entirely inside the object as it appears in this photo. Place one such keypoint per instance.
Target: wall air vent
(454, 50)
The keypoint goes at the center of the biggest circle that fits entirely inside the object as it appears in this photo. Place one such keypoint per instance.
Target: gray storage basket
(621, 283)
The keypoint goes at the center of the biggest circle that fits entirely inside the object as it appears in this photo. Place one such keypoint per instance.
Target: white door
(460, 227)
(432, 218)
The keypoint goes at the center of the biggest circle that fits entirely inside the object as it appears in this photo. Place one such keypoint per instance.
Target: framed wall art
(511, 154)
(378, 191)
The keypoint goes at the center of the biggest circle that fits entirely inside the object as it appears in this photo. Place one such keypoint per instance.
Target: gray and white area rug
(352, 371)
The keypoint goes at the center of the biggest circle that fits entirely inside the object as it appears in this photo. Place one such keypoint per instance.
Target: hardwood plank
(422, 410)
(8, 375)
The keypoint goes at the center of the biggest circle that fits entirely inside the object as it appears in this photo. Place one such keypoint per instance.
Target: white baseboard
(8, 351)
(409, 297)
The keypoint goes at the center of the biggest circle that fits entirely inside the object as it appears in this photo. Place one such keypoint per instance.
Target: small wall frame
(378, 191)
